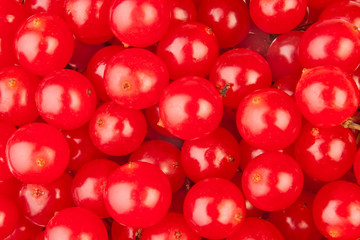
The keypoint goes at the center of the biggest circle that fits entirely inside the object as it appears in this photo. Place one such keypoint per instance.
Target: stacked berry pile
(179, 119)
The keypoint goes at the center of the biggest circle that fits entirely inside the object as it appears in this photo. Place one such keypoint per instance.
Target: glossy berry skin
(283, 55)
(335, 208)
(190, 108)
(135, 78)
(268, 15)
(330, 42)
(165, 156)
(272, 181)
(6, 131)
(230, 20)
(9, 216)
(37, 153)
(115, 130)
(88, 20)
(268, 119)
(182, 11)
(326, 96)
(256, 228)
(346, 10)
(139, 23)
(96, 68)
(296, 222)
(40, 202)
(49, 6)
(89, 184)
(237, 73)
(17, 95)
(215, 155)
(137, 194)
(172, 227)
(325, 154)
(214, 208)
(188, 49)
(82, 150)
(12, 14)
(10, 187)
(65, 99)
(44, 44)
(75, 223)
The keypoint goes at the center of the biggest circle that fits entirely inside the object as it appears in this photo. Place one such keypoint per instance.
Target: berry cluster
(179, 119)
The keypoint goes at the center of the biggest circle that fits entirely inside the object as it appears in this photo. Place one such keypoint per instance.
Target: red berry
(44, 43)
(65, 99)
(135, 78)
(272, 181)
(9, 216)
(326, 96)
(115, 130)
(268, 119)
(190, 108)
(75, 223)
(137, 195)
(37, 153)
(139, 23)
(214, 208)
(336, 209)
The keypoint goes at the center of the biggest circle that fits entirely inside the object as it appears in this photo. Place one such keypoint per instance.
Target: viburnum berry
(44, 43)
(268, 119)
(137, 194)
(326, 96)
(335, 210)
(37, 153)
(190, 108)
(139, 23)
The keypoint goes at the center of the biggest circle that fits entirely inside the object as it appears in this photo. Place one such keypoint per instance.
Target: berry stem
(350, 123)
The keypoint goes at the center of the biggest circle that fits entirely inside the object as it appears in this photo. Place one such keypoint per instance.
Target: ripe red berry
(137, 195)
(44, 43)
(190, 108)
(326, 96)
(268, 119)
(139, 23)
(37, 153)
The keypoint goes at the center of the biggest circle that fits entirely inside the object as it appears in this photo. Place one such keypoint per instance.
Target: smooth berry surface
(215, 155)
(334, 209)
(325, 154)
(88, 20)
(75, 223)
(9, 216)
(65, 99)
(139, 23)
(239, 72)
(188, 49)
(268, 119)
(229, 19)
(326, 96)
(17, 95)
(44, 43)
(214, 208)
(137, 194)
(37, 153)
(190, 108)
(115, 130)
(272, 181)
(6, 131)
(135, 78)
(277, 16)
